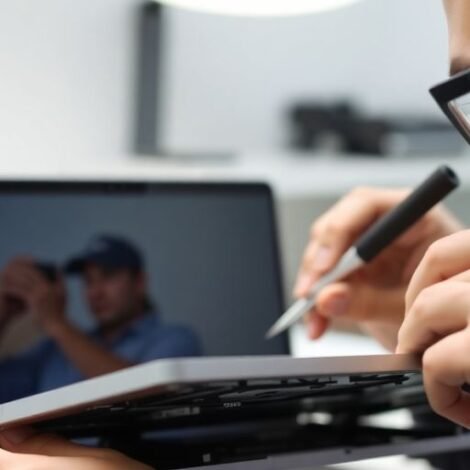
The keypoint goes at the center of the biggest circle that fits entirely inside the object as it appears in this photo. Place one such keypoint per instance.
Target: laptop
(212, 258)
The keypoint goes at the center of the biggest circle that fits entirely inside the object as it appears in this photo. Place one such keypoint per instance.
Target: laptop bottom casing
(252, 412)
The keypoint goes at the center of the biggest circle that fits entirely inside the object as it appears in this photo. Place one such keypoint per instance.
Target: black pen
(380, 235)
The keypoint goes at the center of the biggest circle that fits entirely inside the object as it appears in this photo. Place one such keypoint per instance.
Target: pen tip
(271, 333)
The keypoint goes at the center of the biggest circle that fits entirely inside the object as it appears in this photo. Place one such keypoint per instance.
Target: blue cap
(109, 252)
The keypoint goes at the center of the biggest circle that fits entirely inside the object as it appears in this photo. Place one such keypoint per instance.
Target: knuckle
(431, 363)
(335, 229)
(421, 304)
(435, 253)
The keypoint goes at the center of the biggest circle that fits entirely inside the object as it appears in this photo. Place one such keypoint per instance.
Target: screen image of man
(128, 330)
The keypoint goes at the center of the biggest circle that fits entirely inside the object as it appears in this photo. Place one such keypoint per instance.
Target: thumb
(362, 302)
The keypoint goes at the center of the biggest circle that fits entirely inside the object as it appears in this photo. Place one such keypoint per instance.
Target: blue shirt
(45, 367)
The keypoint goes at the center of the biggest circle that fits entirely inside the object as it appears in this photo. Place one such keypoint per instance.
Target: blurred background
(72, 75)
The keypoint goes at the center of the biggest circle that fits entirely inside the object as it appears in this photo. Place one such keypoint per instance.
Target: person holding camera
(129, 329)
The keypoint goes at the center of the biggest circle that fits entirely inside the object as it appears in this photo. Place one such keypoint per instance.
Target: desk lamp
(258, 7)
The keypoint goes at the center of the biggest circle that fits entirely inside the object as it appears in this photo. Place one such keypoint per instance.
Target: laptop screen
(143, 271)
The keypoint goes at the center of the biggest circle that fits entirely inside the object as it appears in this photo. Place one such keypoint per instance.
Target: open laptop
(211, 253)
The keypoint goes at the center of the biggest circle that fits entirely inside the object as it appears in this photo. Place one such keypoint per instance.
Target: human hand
(10, 307)
(11, 302)
(44, 299)
(437, 323)
(374, 295)
(22, 449)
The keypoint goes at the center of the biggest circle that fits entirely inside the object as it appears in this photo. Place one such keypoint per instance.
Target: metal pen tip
(291, 316)
(272, 332)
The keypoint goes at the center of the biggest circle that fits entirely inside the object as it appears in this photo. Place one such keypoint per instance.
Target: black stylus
(386, 230)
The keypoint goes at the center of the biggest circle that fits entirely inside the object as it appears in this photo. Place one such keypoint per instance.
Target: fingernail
(323, 258)
(313, 326)
(313, 330)
(337, 306)
(17, 435)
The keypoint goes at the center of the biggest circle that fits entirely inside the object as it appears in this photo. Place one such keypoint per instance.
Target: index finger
(444, 378)
(444, 259)
(335, 231)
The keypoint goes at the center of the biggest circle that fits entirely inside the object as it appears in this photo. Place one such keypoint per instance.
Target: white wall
(65, 78)
(67, 68)
(230, 79)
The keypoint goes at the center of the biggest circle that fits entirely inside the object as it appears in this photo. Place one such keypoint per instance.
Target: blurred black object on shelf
(341, 127)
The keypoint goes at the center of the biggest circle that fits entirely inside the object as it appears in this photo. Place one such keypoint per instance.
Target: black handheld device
(433, 190)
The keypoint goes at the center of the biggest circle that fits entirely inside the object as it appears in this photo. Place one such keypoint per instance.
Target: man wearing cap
(129, 330)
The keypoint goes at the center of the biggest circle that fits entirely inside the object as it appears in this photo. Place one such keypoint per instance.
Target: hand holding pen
(373, 295)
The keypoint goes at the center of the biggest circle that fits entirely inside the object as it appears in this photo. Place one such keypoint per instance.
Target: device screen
(145, 271)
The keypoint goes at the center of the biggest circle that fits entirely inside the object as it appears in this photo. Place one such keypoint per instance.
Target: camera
(49, 270)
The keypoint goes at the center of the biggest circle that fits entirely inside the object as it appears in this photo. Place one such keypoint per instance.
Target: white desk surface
(388, 463)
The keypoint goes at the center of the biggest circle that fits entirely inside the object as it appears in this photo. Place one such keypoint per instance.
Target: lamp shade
(258, 7)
